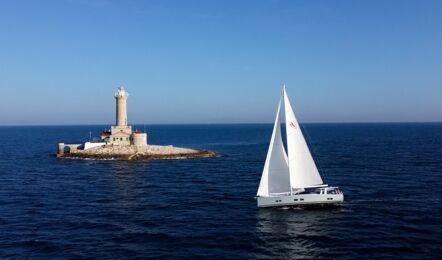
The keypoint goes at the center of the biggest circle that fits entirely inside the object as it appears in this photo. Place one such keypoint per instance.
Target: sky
(192, 62)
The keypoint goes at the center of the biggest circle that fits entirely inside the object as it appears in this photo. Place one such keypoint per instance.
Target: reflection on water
(124, 177)
(129, 186)
(294, 232)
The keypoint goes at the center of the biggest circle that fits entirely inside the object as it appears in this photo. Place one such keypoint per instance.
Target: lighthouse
(121, 133)
(121, 100)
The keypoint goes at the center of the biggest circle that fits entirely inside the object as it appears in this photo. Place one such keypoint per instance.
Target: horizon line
(257, 123)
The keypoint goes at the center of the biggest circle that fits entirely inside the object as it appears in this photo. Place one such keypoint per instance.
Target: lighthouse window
(114, 138)
(121, 138)
(301, 199)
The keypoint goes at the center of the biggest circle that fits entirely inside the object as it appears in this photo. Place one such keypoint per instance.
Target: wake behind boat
(292, 178)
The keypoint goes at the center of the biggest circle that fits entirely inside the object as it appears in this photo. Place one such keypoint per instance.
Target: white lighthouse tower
(121, 98)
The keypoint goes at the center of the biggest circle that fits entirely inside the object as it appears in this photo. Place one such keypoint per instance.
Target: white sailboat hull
(300, 200)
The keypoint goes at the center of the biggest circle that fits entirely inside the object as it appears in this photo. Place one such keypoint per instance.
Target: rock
(138, 152)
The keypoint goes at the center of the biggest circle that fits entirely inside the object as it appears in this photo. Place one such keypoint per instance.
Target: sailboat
(291, 178)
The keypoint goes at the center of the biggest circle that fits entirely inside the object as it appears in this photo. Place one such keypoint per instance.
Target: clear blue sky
(220, 61)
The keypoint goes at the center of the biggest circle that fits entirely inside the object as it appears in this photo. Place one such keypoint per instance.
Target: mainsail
(284, 173)
(275, 176)
(303, 171)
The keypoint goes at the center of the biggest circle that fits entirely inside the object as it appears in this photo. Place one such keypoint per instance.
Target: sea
(390, 173)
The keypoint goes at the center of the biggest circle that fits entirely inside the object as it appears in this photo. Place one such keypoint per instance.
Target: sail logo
(293, 125)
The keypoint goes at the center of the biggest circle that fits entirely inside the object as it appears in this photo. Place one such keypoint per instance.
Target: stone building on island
(119, 135)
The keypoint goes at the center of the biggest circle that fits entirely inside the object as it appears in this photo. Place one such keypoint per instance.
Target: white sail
(275, 176)
(303, 171)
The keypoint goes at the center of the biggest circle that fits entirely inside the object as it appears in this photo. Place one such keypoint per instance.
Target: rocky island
(136, 153)
(122, 143)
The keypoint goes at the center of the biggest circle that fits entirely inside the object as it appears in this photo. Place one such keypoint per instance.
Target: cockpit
(329, 190)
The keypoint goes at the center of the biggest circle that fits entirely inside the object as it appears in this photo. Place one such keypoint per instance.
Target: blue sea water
(391, 175)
